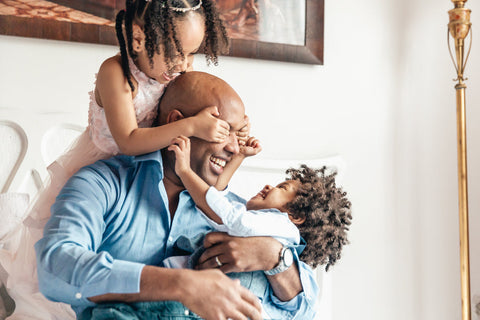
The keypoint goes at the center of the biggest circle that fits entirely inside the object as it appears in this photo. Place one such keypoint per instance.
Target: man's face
(208, 159)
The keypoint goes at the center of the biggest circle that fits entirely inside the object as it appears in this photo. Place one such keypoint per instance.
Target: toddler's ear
(174, 115)
(297, 220)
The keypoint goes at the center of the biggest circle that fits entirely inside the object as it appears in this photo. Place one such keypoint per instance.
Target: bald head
(186, 96)
(193, 91)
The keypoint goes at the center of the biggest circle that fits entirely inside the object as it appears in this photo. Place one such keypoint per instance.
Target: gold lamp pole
(458, 28)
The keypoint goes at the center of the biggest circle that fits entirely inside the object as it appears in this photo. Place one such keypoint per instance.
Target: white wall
(384, 100)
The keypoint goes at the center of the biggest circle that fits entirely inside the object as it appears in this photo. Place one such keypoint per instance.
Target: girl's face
(275, 197)
(190, 32)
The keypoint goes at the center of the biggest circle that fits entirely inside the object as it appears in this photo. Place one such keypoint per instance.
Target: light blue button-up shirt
(110, 220)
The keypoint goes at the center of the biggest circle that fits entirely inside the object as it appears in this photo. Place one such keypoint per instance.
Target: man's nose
(232, 144)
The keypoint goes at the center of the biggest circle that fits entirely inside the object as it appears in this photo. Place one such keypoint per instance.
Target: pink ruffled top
(145, 104)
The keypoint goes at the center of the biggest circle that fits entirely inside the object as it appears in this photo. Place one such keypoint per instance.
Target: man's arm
(251, 254)
(226, 297)
(73, 270)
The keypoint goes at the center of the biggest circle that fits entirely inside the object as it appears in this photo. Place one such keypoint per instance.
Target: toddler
(308, 205)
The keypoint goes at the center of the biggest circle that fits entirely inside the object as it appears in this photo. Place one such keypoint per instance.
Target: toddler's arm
(115, 96)
(194, 184)
(238, 220)
(250, 147)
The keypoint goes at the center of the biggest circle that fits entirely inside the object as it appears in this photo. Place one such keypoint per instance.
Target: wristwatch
(286, 260)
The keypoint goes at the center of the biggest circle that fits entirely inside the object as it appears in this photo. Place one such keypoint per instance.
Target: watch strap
(281, 266)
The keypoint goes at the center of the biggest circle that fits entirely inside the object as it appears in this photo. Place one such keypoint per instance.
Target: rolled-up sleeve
(300, 307)
(238, 221)
(70, 267)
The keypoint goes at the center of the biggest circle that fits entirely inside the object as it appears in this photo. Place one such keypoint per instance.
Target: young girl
(157, 41)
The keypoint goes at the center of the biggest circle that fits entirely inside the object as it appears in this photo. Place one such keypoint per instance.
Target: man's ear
(138, 41)
(174, 115)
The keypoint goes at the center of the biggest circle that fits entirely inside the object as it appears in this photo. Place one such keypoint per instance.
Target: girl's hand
(181, 147)
(252, 147)
(242, 134)
(209, 127)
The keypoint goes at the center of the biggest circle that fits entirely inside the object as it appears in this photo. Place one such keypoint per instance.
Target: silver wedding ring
(219, 264)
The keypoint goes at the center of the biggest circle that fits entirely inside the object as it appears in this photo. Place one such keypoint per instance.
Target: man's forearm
(208, 293)
(156, 284)
(286, 285)
(251, 254)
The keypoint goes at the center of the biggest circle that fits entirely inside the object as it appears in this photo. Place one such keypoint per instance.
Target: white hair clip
(188, 9)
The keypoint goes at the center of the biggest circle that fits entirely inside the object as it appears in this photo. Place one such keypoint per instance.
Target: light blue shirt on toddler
(111, 219)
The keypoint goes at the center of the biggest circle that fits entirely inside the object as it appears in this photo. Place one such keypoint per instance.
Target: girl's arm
(192, 182)
(115, 96)
(249, 148)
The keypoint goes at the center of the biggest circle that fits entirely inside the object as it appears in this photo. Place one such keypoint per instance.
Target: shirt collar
(155, 156)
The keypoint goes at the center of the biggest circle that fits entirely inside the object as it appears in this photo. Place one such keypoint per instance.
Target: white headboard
(29, 142)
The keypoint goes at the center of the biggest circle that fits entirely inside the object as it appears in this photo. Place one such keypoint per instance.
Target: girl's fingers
(224, 124)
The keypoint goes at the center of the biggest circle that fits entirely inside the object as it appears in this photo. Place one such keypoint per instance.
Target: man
(116, 220)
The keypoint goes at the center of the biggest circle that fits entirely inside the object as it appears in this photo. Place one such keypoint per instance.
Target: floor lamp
(458, 29)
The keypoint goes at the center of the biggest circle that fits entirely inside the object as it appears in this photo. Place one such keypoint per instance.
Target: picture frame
(91, 21)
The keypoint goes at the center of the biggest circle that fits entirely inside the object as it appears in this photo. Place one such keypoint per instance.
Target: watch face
(288, 257)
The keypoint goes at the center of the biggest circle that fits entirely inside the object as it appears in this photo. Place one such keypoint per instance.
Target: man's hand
(214, 296)
(209, 293)
(238, 254)
(181, 147)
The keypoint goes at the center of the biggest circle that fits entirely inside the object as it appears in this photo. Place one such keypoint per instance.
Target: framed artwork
(280, 30)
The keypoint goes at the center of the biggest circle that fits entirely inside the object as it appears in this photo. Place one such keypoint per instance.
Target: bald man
(116, 220)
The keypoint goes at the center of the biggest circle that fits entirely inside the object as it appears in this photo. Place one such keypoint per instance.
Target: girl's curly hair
(158, 17)
(327, 215)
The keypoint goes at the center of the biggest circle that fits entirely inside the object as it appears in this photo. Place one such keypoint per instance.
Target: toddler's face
(275, 197)
(190, 33)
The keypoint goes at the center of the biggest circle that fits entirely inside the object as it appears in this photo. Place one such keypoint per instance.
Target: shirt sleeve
(70, 268)
(301, 307)
(240, 222)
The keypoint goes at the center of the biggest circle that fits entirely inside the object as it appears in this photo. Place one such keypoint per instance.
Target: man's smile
(218, 163)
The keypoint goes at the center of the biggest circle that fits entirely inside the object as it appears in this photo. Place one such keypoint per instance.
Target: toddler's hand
(181, 147)
(244, 133)
(252, 147)
(209, 127)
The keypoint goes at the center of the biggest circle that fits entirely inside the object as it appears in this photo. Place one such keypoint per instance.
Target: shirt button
(170, 239)
(78, 295)
(186, 312)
